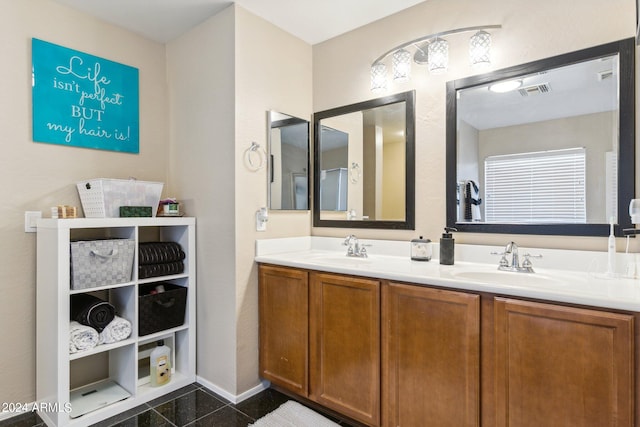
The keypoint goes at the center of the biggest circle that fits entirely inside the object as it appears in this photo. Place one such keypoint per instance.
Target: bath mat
(293, 414)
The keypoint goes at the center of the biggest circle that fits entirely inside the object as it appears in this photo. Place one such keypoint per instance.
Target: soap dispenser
(421, 249)
(447, 246)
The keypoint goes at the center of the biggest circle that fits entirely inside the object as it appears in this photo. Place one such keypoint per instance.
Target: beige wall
(468, 165)
(36, 176)
(273, 72)
(393, 187)
(246, 67)
(529, 32)
(202, 104)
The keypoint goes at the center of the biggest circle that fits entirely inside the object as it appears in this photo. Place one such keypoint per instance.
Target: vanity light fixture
(433, 51)
(480, 50)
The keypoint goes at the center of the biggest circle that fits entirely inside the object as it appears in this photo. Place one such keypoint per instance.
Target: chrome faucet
(354, 248)
(511, 251)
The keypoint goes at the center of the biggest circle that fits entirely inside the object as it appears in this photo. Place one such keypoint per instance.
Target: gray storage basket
(101, 262)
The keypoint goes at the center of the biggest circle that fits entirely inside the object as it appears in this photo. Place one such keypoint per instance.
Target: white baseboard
(230, 396)
(253, 391)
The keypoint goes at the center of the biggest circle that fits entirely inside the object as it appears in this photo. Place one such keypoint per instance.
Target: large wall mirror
(546, 147)
(288, 166)
(364, 164)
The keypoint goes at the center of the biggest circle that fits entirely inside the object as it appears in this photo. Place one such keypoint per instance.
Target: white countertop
(562, 276)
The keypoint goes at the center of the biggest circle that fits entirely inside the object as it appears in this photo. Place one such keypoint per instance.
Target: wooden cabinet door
(345, 345)
(284, 327)
(430, 357)
(562, 366)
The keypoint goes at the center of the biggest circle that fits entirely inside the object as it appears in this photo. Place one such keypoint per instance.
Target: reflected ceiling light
(401, 65)
(438, 56)
(505, 86)
(480, 50)
(378, 77)
(431, 50)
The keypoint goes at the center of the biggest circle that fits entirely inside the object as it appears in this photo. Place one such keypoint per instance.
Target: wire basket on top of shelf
(102, 198)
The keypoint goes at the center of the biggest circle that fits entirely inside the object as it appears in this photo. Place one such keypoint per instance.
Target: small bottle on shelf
(160, 359)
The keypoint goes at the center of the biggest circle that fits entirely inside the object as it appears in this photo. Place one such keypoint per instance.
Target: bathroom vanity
(389, 341)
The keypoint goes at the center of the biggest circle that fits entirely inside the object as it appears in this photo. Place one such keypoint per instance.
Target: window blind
(611, 184)
(539, 187)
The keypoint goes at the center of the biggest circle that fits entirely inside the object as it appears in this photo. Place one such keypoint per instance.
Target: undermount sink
(506, 278)
(338, 259)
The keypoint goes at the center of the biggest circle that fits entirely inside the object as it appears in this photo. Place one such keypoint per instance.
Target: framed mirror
(288, 165)
(546, 147)
(364, 164)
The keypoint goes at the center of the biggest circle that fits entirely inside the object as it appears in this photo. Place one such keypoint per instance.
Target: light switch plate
(31, 220)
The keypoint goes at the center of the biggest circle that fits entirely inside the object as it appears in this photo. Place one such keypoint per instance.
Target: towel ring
(255, 158)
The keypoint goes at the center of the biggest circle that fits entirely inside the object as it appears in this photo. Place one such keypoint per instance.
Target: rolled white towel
(81, 337)
(117, 330)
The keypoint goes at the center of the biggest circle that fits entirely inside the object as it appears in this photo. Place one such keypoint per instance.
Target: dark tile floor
(192, 406)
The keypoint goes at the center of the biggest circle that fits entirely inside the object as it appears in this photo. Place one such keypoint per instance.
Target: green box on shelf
(135, 211)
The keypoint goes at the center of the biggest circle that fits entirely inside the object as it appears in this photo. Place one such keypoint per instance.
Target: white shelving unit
(59, 372)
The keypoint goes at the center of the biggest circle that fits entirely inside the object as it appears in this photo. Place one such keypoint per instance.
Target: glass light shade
(480, 49)
(438, 56)
(401, 65)
(378, 77)
(505, 86)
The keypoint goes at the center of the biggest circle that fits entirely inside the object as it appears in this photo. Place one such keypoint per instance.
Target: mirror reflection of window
(535, 187)
(288, 162)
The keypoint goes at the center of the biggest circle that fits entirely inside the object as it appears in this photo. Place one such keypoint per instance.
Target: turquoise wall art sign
(82, 100)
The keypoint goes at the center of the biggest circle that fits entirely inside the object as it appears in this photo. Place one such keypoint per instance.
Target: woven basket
(158, 312)
(101, 262)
